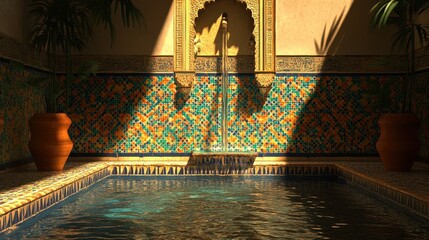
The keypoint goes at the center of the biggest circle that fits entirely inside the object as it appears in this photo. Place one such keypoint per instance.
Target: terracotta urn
(50, 144)
(398, 144)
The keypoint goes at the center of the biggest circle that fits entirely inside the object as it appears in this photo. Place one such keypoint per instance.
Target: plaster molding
(265, 81)
(269, 52)
(184, 82)
(184, 79)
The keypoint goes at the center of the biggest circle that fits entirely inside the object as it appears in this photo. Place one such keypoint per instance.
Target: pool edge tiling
(412, 201)
(22, 201)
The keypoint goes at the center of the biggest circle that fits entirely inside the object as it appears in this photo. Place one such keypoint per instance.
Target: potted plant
(65, 25)
(398, 144)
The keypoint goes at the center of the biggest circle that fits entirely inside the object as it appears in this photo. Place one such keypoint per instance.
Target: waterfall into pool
(224, 156)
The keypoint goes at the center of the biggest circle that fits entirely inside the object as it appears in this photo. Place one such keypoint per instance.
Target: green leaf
(381, 12)
(88, 69)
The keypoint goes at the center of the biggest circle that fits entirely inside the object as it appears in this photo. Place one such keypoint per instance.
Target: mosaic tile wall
(303, 114)
(18, 102)
(421, 108)
(141, 113)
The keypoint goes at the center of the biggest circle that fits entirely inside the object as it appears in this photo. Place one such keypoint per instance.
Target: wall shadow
(240, 27)
(333, 119)
(110, 112)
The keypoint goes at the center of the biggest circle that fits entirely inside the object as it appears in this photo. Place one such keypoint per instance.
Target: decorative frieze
(338, 64)
(246, 64)
(123, 64)
(236, 64)
(12, 49)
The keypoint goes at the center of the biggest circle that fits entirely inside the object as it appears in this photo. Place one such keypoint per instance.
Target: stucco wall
(327, 27)
(311, 27)
(11, 19)
(155, 37)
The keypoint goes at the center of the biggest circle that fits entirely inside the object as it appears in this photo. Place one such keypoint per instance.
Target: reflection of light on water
(256, 207)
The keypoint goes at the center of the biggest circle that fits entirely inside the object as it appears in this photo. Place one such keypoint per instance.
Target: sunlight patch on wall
(163, 45)
(306, 22)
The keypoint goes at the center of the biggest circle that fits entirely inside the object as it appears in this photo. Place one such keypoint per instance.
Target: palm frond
(67, 25)
(382, 12)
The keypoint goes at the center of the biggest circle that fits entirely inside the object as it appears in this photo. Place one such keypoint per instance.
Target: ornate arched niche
(263, 13)
(208, 33)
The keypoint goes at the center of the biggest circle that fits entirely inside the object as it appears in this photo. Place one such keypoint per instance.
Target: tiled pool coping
(25, 192)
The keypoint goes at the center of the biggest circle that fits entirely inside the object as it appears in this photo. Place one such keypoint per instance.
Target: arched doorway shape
(263, 14)
(208, 36)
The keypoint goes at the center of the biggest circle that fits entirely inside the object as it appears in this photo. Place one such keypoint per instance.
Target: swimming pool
(221, 207)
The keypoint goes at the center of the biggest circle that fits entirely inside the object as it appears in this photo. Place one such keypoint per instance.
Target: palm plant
(68, 25)
(411, 34)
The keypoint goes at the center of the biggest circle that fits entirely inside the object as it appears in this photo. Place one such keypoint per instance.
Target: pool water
(221, 207)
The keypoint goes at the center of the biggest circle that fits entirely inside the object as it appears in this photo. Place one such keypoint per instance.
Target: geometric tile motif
(141, 113)
(18, 102)
(421, 108)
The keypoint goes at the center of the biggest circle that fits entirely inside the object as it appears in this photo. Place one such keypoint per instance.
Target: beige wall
(300, 26)
(154, 39)
(303, 27)
(11, 19)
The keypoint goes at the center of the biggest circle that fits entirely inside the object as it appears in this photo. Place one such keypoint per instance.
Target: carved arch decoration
(263, 14)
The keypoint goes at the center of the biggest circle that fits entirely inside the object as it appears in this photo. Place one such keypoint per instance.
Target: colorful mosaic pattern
(142, 113)
(304, 114)
(421, 108)
(18, 102)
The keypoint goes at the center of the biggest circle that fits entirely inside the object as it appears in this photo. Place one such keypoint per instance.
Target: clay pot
(50, 144)
(398, 144)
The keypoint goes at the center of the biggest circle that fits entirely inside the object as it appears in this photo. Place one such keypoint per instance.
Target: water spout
(225, 84)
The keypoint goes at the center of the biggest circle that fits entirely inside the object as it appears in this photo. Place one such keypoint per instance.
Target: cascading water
(225, 84)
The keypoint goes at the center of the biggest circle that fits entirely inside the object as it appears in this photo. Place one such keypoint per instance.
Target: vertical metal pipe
(225, 84)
